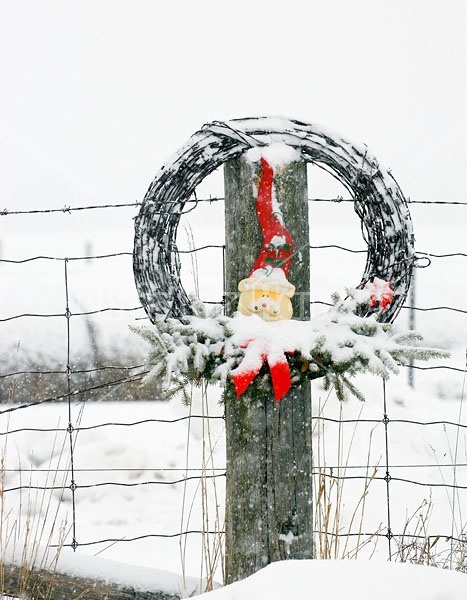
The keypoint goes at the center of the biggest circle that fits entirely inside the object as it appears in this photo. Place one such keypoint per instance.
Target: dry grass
(418, 546)
(415, 545)
(212, 545)
(31, 535)
(342, 534)
(339, 533)
(207, 493)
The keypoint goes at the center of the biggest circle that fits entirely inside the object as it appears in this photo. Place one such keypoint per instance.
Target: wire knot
(417, 261)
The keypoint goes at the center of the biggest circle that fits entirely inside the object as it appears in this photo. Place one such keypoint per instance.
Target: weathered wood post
(269, 455)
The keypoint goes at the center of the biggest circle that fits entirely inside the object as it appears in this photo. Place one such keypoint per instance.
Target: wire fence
(370, 461)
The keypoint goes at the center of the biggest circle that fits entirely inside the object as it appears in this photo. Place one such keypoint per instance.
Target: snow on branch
(337, 345)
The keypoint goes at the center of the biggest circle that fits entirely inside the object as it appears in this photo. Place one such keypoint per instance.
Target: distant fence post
(412, 325)
(269, 513)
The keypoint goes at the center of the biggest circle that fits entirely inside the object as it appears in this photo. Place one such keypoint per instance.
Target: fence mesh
(90, 453)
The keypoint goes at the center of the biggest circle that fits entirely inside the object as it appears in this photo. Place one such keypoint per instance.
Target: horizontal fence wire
(215, 476)
(123, 368)
(220, 301)
(178, 534)
(137, 372)
(112, 483)
(68, 209)
(221, 418)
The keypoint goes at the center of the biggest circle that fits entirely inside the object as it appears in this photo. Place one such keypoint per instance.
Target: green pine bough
(209, 346)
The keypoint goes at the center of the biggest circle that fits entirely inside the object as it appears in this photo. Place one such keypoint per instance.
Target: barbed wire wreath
(190, 344)
(378, 201)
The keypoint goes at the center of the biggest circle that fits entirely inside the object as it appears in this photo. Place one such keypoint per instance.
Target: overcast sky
(97, 94)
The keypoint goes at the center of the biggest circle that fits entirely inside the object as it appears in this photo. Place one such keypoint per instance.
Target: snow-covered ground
(131, 467)
(355, 580)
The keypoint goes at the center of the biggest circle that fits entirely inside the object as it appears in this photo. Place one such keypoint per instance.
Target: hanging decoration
(267, 292)
(261, 345)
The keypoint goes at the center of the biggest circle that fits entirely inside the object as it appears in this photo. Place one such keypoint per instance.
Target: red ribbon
(280, 376)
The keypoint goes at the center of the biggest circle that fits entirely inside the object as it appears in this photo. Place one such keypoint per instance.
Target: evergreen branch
(336, 346)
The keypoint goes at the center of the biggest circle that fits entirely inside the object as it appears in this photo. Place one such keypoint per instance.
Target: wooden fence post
(269, 454)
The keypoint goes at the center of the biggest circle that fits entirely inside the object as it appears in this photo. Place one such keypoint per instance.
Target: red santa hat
(273, 263)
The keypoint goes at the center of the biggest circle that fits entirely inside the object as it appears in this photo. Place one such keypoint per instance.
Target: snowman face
(267, 304)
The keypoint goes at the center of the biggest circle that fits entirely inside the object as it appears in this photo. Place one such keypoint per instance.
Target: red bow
(380, 291)
(251, 365)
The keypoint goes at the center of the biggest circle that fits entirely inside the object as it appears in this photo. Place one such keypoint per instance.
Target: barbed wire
(65, 210)
(68, 209)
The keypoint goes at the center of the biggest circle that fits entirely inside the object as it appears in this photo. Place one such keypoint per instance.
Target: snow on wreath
(278, 355)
